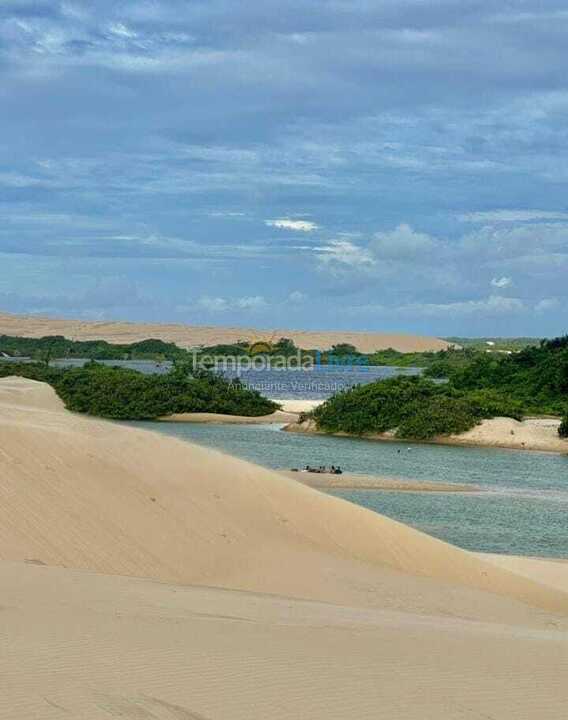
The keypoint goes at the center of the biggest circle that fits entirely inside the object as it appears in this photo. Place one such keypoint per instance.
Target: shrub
(416, 408)
(373, 408)
(123, 394)
(438, 416)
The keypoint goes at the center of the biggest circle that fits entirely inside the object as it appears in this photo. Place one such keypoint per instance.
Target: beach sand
(188, 336)
(537, 434)
(276, 418)
(349, 481)
(144, 577)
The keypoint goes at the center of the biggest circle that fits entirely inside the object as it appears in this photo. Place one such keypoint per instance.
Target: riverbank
(536, 434)
(288, 414)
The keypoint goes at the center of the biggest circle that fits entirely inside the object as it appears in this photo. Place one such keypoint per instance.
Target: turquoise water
(523, 509)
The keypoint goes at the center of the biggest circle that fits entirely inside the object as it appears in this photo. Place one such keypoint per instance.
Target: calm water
(317, 383)
(523, 511)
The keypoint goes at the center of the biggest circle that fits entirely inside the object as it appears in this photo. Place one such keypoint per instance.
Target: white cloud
(491, 306)
(403, 243)
(213, 304)
(251, 303)
(502, 282)
(512, 216)
(296, 225)
(297, 297)
(547, 304)
(220, 304)
(121, 30)
(345, 254)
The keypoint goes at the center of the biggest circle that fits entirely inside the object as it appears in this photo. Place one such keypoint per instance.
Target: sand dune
(80, 645)
(194, 335)
(91, 494)
(224, 591)
(531, 434)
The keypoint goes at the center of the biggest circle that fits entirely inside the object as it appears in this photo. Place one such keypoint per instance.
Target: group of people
(333, 470)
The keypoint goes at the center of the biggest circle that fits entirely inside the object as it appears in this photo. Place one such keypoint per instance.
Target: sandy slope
(530, 434)
(551, 572)
(91, 494)
(256, 597)
(191, 336)
(95, 647)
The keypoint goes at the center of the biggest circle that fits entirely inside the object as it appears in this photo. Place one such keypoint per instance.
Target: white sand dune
(194, 335)
(91, 494)
(273, 600)
(530, 434)
(80, 645)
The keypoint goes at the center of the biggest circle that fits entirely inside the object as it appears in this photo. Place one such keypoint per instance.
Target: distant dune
(188, 336)
(146, 577)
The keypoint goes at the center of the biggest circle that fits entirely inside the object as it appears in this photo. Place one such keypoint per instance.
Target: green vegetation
(415, 408)
(536, 377)
(480, 385)
(494, 344)
(56, 346)
(123, 394)
(32, 371)
(563, 429)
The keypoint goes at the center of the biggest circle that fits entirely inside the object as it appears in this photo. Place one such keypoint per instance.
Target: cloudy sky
(365, 164)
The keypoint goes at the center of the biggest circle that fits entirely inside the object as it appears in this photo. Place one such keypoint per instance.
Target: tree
(344, 349)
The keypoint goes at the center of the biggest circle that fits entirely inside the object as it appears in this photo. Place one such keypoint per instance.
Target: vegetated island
(481, 389)
(488, 387)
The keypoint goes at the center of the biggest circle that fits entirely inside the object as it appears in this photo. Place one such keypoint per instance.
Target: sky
(386, 165)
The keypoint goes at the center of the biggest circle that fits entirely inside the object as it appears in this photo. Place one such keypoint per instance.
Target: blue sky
(363, 164)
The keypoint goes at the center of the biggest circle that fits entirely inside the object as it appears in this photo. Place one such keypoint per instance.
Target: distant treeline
(123, 394)
(57, 347)
(481, 385)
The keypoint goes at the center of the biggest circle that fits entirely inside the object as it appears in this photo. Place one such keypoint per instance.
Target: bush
(32, 371)
(417, 409)
(492, 403)
(123, 394)
(439, 416)
(374, 408)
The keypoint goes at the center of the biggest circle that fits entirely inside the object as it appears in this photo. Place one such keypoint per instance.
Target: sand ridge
(91, 494)
(188, 336)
